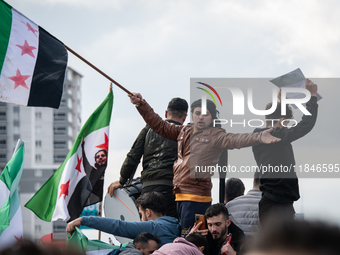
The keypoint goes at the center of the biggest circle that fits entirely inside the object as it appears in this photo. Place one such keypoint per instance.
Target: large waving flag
(10, 210)
(74, 186)
(32, 62)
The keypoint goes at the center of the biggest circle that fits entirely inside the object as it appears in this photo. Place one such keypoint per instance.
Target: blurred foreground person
(281, 188)
(296, 238)
(26, 247)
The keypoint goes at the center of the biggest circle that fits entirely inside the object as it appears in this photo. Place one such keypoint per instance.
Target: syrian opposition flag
(69, 189)
(32, 62)
(10, 210)
(91, 247)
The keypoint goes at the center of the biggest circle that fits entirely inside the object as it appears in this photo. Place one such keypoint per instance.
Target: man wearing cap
(199, 144)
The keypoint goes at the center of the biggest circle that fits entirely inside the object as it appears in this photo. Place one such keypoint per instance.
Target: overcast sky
(154, 47)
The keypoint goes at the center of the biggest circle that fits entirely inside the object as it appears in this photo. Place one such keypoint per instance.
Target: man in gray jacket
(244, 210)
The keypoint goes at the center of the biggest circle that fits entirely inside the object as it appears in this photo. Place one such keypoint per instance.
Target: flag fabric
(10, 211)
(91, 247)
(32, 62)
(71, 187)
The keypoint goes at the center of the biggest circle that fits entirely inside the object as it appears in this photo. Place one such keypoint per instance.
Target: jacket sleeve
(232, 141)
(303, 127)
(118, 227)
(133, 157)
(157, 124)
(86, 164)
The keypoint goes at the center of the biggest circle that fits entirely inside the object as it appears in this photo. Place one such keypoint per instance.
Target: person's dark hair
(256, 181)
(177, 107)
(315, 238)
(197, 239)
(277, 113)
(217, 209)
(234, 187)
(211, 107)
(143, 239)
(154, 201)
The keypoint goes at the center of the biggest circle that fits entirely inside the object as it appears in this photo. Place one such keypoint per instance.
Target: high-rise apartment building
(48, 135)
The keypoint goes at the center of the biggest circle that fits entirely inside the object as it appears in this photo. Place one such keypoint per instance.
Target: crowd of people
(173, 194)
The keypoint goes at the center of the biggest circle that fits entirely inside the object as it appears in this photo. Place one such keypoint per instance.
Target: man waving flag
(10, 211)
(78, 182)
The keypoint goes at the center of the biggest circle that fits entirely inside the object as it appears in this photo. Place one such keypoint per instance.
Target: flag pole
(97, 69)
(100, 203)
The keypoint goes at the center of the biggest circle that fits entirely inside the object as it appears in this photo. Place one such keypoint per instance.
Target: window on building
(38, 143)
(59, 158)
(59, 130)
(59, 144)
(37, 228)
(2, 157)
(2, 129)
(3, 143)
(38, 158)
(63, 102)
(2, 115)
(60, 116)
(38, 115)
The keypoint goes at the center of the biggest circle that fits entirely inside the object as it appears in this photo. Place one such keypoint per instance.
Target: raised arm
(156, 123)
(308, 121)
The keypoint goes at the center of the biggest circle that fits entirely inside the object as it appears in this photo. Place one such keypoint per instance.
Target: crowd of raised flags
(32, 71)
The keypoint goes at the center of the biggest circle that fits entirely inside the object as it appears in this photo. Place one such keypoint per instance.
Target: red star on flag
(64, 189)
(78, 164)
(30, 28)
(19, 239)
(19, 80)
(105, 145)
(26, 49)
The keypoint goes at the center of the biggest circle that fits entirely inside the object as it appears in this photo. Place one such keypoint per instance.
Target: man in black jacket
(159, 155)
(279, 183)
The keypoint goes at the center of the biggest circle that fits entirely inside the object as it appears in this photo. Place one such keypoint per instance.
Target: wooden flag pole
(97, 69)
(100, 215)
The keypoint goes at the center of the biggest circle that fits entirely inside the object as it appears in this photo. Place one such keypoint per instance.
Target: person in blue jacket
(152, 207)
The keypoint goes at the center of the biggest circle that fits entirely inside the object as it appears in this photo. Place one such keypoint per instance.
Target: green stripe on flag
(5, 29)
(80, 241)
(10, 176)
(44, 201)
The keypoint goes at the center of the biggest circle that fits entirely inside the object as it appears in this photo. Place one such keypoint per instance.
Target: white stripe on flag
(15, 61)
(73, 176)
(13, 233)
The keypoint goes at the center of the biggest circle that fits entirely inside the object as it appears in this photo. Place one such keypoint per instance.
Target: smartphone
(200, 218)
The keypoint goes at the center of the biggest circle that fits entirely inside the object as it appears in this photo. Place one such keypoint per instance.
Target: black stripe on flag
(79, 198)
(49, 73)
